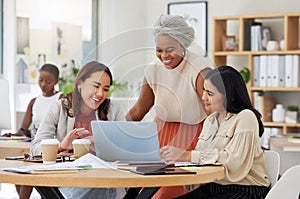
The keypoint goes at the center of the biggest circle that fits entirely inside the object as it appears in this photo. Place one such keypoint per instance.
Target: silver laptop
(126, 141)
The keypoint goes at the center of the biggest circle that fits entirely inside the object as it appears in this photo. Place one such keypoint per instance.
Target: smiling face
(94, 90)
(213, 100)
(169, 51)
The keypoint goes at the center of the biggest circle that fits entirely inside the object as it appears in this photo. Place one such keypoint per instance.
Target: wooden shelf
(274, 89)
(288, 24)
(281, 124)
(252, 53)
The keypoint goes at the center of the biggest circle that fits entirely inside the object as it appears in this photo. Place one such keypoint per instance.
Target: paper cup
(81, 147)
(49, 149)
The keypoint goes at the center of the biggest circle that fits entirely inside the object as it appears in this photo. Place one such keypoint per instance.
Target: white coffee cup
(49, 149)
(81, 147)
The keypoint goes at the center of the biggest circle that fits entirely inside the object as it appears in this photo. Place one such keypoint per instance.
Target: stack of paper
(85, 162)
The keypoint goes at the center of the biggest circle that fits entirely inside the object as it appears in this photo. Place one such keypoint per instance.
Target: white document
(93, 161)
(85, 162)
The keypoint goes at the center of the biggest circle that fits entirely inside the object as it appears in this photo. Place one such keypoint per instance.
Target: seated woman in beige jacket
(230, 136)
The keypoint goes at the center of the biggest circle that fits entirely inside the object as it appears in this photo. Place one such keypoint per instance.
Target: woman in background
(230, 136)
(88, 101)
(38, 106)
(174, 84)
(36, 111)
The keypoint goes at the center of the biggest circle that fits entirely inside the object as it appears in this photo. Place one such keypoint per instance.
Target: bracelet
(24, 129)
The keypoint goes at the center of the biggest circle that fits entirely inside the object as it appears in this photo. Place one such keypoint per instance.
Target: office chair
(288, 186)
(273, 165)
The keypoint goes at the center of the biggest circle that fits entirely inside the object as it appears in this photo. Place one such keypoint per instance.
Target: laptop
(126, 141)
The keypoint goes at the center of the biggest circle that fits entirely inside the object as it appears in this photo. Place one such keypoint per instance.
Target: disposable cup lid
(49, 141)
(81, 141)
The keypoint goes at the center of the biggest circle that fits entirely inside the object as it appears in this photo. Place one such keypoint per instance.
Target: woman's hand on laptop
(171, 154)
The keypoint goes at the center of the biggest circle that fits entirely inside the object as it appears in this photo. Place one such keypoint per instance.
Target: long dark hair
(72, 102)
(230, 83)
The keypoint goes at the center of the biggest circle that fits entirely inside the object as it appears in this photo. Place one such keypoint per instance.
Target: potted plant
(291, 115)
(245, 72)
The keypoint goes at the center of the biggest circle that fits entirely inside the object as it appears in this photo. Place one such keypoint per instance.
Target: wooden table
(47, 184)
(289, 151)
(13, 148)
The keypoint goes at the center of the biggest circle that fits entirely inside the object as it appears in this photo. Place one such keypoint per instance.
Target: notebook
(126, 141)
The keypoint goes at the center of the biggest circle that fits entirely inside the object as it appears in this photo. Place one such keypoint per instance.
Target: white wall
(124, 39)
(118, 16)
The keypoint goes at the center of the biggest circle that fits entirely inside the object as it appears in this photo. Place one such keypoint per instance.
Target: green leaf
(245, 74)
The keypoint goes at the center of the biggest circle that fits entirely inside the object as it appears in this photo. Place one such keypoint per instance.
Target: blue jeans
(87, 193)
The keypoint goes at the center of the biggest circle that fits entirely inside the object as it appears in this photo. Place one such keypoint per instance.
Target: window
(1, 37)
(56, 30)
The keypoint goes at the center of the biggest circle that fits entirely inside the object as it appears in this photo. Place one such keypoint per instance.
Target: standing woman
(230, 136)
(89, 101)
(174, 85)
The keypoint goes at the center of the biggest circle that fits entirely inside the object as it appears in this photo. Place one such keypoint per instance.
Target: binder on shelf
(256, 70)
(281, 71)
(288, 70)
(295, 68)
(273, 67)
(263, 71)
(269, 66)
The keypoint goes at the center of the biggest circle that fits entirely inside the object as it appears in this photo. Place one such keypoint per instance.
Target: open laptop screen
(126, 141)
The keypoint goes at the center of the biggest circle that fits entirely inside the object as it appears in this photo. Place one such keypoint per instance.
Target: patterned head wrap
(176, 27)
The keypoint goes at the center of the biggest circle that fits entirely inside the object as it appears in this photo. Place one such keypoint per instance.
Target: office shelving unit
(288, 24)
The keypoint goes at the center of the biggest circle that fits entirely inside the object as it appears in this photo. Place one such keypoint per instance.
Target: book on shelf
(256, 37)
(247, 32)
